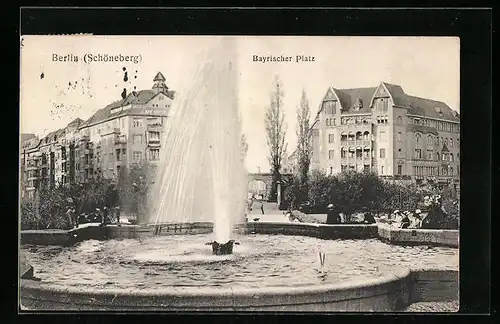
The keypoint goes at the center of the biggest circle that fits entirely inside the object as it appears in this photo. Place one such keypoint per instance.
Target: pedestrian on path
(262, 207)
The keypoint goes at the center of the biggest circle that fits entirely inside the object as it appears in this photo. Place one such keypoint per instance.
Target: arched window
(366, 136)
(417, 137)
(437, 156)
(451, 171)
(343, 137)
(458, 142)
(451, 157)
(351, 152)
(358, 136)
(429, 140)
(399, 120)
(351, 136)
(342, 152)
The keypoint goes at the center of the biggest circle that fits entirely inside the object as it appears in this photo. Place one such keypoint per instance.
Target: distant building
(125, 132)
(399, 136)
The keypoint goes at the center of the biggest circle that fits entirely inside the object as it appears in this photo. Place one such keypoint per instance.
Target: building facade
(383, 129)
(125, 132)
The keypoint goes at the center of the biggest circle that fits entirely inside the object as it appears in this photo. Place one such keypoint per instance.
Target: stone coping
(324, 231)
(392, 292)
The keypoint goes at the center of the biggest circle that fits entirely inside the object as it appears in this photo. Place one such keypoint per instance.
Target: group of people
(103, 216)
(425, 218)
(333, 216)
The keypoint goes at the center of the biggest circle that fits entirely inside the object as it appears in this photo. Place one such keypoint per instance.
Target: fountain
(203, 176)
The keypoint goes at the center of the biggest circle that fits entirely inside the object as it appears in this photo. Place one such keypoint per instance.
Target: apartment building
(124, 132)
(399, 136)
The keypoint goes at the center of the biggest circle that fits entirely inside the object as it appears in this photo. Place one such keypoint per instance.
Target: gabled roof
(349, 97)
(416, 105)
(140, 97)
(399, 97)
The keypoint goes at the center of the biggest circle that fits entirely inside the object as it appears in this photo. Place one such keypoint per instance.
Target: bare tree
(244, 147)
(304, 145)
(276, 131)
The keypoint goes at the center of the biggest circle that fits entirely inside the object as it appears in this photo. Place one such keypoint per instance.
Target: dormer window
(439, 111)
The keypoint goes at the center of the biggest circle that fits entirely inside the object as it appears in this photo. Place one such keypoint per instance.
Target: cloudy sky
(54, 93)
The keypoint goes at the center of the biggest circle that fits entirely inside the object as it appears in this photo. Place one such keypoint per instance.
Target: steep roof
(159, 77)
(399, 97)
(140, 97)
(349, 98)
(27, 136)
(431, 108)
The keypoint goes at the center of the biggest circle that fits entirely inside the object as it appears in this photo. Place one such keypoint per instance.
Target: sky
(53, 93)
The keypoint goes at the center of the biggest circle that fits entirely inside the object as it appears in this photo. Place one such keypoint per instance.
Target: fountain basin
(390, 293)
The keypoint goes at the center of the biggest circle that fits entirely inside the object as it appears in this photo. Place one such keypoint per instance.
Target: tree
(304, 145)
(276, 131)
(133, 188)
(244, 147)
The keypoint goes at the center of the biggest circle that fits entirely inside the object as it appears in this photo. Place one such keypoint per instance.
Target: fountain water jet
(202, 176)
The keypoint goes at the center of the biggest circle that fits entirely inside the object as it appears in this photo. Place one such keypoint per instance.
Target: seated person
(405, 222)
(369, 219)
(333, 216)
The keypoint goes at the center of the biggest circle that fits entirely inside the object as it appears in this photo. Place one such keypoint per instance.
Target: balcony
(31, 166)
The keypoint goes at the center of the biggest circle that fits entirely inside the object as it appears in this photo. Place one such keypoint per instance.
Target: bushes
(354, 192)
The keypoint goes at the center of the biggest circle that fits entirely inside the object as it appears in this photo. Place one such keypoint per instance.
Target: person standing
(118, 215)
(75, 218)
(262, 207)
(69, 215)
(332, 216)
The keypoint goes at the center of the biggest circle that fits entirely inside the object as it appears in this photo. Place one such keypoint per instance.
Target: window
(331, 170)
(137, 122)
(399, 137)
(400, 152)
(359, 153)
(137, 139)
(154, 154)
(418, 153)
(400, 169)
(382, 136)
(399, 120)
(367, 153)
(351, 152)
(417, 137)
(429, 154)
(342, 152)
(382, 153)
(451, 157)
(382, 105)
(458, 142)
(366, 136)
(154, 136)
(444, 156)
(451, 142)
(117, 154)
(343, 167)
(137, 155)
(330, 107)
(331, 154)
(451, 171)
(330, 138)
(429, 140)
(437, 156)
(382, 169)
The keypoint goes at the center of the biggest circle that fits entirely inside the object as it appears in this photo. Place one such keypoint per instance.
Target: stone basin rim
(214, 292)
